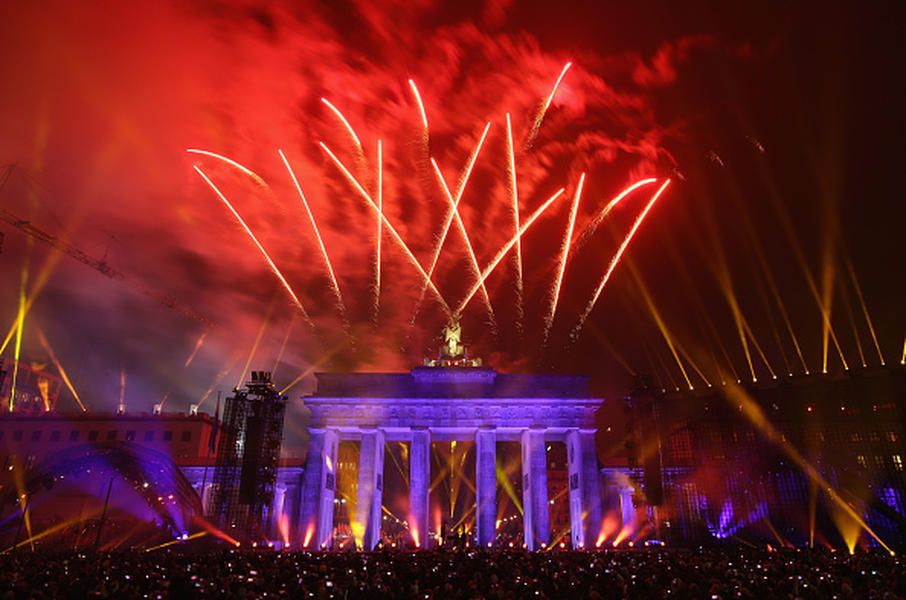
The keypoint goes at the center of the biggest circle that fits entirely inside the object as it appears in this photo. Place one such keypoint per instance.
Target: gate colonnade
(446, 404)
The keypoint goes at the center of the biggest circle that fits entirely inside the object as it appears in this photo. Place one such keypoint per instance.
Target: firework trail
(616, 260)
(399, 240)
(514, 189)
(536, 124)
(450, 214)
(379, 234)
(230, 162)
(421, 106)
(590, 229)
(261, 249)
(349, 129)
(56, 361)
(564, 257)
(506, 248)
(454, 209)
(314, 225)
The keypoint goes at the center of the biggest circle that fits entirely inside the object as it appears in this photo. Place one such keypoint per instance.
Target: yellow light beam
(753, 411)
(56, 361)
(871, 328)
(20, 325)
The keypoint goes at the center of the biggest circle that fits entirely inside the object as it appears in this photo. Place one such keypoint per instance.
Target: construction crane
(68, 249)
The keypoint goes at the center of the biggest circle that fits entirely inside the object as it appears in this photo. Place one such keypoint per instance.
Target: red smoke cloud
(106, 99)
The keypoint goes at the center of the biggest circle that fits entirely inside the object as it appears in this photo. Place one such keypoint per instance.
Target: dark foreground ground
(717, 573)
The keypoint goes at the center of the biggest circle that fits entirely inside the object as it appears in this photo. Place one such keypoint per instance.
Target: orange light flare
(564, 258)
(261, 249)
(283, 526)
(390, 228)
(413, 530)
(616, 259)
(454, 210)
(218, 533)
(122, 387)
(349, 129)
(309, 533)
(223, 373)
(314, 225)
(198, 344)
(448, 220)
(230, 162)
(20, 326)
(421, 105)
(625, 532)
(514, 193)
(506, 248)
(379, 234)
(871, 328)
(56, 361)
(539, 118)
(609, 525)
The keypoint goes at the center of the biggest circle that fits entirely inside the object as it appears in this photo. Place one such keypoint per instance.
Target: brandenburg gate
(451, 398)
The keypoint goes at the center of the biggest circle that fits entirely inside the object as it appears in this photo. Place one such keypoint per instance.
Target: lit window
(891, 436)
(897, 462)
(861, 460)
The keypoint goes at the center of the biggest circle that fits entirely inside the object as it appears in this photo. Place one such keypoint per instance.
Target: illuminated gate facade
(445, 403)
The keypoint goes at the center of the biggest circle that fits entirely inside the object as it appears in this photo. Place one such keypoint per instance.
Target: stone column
(367, 525)
(486, 485)
(584, 488)
(277, 510)
(319, 488)
(534, 489)
(419, 482)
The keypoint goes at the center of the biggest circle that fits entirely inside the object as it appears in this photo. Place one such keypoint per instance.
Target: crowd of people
(715, 573)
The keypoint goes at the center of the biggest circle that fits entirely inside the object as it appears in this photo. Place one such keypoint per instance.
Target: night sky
(780, 127)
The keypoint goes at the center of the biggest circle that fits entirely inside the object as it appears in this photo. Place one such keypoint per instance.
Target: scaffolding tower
(248, 451)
